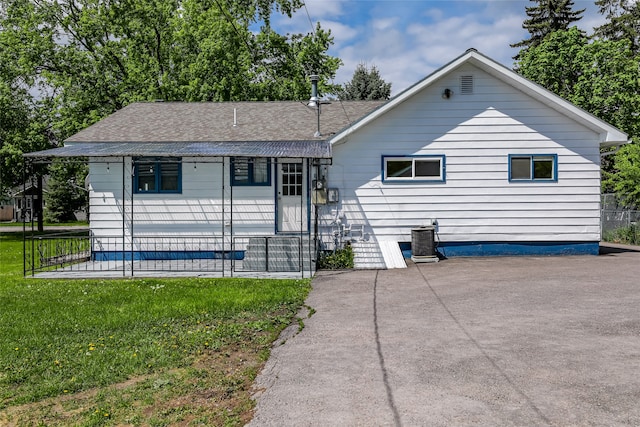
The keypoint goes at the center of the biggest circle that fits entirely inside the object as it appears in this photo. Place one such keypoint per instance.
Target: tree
(545, 18)
(552, 62)
(623, 21)
(603, 77)
(625, 180)
(366, 84)
(66, 64)
(67, 193)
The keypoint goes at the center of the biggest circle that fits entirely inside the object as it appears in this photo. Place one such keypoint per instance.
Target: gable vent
(466, 85)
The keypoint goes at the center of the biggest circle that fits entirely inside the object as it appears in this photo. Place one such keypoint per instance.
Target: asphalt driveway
(489, 342)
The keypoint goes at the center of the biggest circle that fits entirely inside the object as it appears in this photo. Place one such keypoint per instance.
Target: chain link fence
(619, 224)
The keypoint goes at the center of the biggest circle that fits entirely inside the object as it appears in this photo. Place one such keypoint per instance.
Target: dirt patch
(214, 390)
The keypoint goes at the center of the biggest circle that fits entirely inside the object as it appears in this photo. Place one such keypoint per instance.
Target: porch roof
(298, 149)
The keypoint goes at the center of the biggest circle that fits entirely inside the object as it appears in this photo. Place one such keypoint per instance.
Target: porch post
(222, 216)
(231, 219)
(131, 221)
(303, 219)
(124, 273)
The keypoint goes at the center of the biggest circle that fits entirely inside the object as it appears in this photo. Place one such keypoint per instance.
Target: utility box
(423, 248)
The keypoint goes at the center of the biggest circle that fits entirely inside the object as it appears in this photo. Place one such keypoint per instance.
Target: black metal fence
(55, 251)
(77, 252)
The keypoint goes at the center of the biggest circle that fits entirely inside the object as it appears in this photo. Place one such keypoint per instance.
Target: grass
(46, 224)
(149, 352)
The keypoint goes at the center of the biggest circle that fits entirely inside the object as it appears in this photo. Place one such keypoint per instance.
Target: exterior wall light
(446, 94)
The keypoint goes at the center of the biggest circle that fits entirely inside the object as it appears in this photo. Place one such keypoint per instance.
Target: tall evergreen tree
(623, 21)
(545, 18)
(366, 84)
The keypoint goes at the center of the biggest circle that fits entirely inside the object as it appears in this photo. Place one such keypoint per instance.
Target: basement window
(157, 175)
(413, 168)
(535, 167)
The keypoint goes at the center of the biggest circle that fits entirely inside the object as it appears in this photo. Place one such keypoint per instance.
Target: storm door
(292, 197)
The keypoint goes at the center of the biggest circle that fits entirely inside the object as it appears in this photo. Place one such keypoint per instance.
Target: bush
(341, 258)
(629, 235)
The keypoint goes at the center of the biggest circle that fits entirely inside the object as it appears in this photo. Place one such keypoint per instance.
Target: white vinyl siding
(205, 207)
(477, 133)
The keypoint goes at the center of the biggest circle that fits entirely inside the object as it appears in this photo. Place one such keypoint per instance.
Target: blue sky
(408, 39)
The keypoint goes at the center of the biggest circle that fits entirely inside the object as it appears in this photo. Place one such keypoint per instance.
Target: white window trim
(413, 178)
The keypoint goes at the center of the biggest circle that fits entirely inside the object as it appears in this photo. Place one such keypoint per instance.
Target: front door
(292, 200)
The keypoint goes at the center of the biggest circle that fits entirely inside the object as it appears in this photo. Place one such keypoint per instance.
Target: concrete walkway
(483, 342)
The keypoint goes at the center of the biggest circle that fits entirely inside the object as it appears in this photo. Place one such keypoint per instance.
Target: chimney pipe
(313, 101)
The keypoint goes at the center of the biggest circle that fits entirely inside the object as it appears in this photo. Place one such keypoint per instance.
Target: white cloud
(384, 24)
(407, 40)
(320, 9)
(406, 52)
(341, 33)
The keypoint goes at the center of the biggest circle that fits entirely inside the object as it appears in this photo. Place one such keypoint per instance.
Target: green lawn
(46, 224)
(135, 352)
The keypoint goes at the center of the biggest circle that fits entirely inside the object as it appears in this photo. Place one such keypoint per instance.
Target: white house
(498, 164)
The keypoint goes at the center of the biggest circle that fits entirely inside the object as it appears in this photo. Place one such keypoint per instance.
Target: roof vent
(466, 85)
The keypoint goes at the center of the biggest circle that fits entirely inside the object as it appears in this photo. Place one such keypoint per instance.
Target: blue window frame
(250, 171)
(157, 175)
(424, 168)
(533, 167)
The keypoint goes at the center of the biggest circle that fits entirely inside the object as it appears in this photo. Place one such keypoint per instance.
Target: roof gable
(609, 135)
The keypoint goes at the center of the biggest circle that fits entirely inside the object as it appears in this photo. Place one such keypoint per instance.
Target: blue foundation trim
(165, 255)
(479, 249)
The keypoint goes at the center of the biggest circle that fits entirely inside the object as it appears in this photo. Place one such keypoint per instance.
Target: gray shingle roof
(214, 122)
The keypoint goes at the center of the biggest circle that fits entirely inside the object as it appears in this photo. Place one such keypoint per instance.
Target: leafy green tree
(553, 63)
(366, 84)
(66, 64)
(625, 179)
(545, 18)
(623, 21)
(601, 76)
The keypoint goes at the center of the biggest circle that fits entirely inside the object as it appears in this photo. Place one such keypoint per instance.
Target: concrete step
(367, 255)
(284, 254)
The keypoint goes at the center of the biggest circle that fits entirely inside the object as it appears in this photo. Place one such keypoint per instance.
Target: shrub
(340, 258)
(628, 235)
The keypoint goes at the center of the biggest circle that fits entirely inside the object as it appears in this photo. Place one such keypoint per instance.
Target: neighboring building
(500, 165)
(25, 203)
